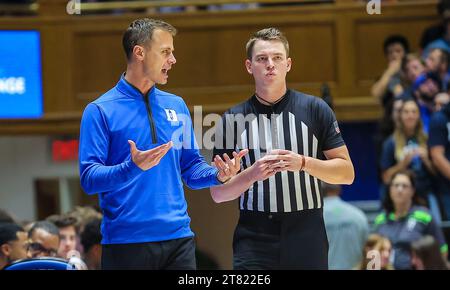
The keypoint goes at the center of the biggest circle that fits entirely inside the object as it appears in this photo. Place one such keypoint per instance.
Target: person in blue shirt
(437, 62)
(347, 229)
(407, 148)
(442, 43)
(439, 143)
(137, 146)
(425, 89)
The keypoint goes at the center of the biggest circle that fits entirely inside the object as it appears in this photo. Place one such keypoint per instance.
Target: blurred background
(56, 56)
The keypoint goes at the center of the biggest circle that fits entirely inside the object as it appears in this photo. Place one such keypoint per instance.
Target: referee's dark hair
(46, 226)
(140, 32)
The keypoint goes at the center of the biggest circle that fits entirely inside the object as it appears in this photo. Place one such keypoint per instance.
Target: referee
(294, 142)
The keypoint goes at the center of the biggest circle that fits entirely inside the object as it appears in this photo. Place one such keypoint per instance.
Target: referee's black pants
(176, 254)
(265, 241)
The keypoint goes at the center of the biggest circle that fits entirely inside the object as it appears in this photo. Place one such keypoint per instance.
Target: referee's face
(269, 64)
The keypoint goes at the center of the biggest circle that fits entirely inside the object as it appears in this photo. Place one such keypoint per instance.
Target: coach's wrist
(221, 179)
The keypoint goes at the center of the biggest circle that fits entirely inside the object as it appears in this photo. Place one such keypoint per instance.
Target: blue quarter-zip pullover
(140, 206)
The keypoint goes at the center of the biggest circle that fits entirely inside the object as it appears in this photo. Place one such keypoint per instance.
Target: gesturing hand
(261, 169)
(229, 167)
(288, 160)
(148, 158)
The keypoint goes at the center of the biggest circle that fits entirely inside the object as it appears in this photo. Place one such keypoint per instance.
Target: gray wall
(22, 160)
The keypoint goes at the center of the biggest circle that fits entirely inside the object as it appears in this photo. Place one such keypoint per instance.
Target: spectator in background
(404, 221)
(347, 229)
(242, 6)
(44, 240)
(91, 238)
(84, 214)
(67, 234)
(27, 225)
(389, 85)
(436, 31)
(442, 43)
(425, 89)
(376, 254)
(412, 69)
(13, 243)
(407, 149)
(385, 130)
(396, 111)
(426, 255)
(440, 100)
(439, 144)
(437, 63)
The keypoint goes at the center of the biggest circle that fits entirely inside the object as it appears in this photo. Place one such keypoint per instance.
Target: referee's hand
(148, 158)
(261, 169)
(288, 160)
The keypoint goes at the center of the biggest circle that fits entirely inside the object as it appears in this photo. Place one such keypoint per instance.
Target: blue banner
(20, 75)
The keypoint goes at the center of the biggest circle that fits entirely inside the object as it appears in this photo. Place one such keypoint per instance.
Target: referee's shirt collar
(276, 108)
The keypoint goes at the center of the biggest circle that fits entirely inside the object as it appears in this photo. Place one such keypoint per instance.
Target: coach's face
(158, 57)
(269, 64)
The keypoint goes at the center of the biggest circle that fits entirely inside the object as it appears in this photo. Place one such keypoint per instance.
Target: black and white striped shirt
(300, 123)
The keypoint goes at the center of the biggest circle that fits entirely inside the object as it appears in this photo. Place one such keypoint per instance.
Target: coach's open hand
(229, 167)
(148, 158)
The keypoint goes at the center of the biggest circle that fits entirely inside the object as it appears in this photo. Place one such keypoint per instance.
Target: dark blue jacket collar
(128, 89)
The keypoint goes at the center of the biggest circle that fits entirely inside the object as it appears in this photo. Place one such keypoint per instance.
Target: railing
(94, 7)
(99, 6)
(54, 7)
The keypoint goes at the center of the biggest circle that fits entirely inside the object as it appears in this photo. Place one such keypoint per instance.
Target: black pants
(176, 254)
(264, 241)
